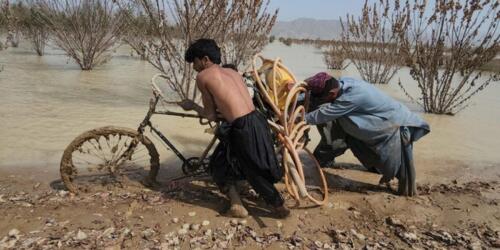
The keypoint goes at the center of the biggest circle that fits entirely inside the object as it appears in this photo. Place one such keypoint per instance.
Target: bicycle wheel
(108, 154)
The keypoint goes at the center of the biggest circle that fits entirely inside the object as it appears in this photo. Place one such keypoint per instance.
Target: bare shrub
(4, 5)
(11, 23)
(370, 43)
(251, 23)
(286, 41)
(445, 45)
(493, 66)
(138, 32)
(3, 21)
(38, 35)
(87, 30)
(36, 32)
(240, 27)
(335, 57)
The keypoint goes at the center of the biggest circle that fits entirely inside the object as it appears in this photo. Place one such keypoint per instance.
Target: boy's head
(203, 53)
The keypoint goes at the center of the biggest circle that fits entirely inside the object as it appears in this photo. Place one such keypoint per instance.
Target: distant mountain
(308, 28)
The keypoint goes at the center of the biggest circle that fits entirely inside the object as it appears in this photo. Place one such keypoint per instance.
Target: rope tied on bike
(281, 92)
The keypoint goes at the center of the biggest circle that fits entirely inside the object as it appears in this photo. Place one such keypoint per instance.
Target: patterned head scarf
(317, 82)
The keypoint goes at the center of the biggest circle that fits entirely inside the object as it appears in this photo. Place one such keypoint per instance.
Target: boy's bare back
(228, 92)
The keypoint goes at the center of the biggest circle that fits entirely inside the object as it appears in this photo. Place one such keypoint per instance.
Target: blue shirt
(366, 113)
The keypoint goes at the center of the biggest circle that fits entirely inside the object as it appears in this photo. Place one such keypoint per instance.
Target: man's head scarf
(317, 82)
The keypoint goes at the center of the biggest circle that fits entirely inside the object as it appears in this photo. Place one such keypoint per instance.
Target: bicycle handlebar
(159, 94)
(178, 114)
(155, 87)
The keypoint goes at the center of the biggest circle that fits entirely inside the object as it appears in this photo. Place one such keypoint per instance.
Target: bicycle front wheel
(105, 155)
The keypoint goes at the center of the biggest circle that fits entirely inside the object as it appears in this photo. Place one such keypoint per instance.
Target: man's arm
(330, 112)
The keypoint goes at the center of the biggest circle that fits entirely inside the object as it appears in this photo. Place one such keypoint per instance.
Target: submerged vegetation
(25, 21)
(445, 49)
(87, 30)
(4, 8)
(445, 44)
(376, 25)
(161, 30)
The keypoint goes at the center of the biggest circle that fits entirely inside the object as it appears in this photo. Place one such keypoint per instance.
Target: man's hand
(187, 104)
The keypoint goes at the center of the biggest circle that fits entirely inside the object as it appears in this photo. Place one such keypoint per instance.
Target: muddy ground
(37, 213)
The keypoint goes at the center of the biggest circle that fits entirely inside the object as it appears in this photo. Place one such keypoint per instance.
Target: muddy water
(46, 101)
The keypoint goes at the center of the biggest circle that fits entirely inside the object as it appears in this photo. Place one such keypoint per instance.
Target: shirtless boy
(246, 150)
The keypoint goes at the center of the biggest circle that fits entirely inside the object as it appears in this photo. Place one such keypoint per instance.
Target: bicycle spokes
(108, 153)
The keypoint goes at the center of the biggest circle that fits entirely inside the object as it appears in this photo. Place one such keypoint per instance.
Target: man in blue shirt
(353, 114)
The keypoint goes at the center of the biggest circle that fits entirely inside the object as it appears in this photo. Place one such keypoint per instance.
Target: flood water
(46, 101)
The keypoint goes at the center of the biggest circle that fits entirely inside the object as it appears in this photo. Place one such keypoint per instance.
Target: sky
(318, 9)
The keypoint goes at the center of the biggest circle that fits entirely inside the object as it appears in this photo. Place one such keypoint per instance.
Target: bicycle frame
(192, 163)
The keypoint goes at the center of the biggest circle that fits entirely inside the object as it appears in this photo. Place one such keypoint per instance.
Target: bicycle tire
(69, 171)
(294, 184)
(295, 128)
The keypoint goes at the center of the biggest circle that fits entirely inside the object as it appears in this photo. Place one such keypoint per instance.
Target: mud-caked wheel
(297, 156)
(304, 177)
(107, 155)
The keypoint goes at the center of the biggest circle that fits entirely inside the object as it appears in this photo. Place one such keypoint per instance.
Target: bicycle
(118, 151)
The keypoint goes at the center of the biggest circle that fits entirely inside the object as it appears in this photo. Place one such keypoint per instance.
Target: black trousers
(246, 152)
(332, 143)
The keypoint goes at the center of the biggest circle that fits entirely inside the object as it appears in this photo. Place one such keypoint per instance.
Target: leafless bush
(286, 41)
(10, 23)
(3, 26)
(318, 43)
(369, 41)
(492, 66)
(38, 35)
(240, 27)
(85, 29)
(251, 23)
(3, 21)
(25, 19)
(138, 32)
(335, 58)
(4, 5)
(444, 45)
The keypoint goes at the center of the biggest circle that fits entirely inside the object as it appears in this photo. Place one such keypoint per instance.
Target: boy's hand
(187, 104)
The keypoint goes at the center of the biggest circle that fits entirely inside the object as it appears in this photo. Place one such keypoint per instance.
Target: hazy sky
(319, 9)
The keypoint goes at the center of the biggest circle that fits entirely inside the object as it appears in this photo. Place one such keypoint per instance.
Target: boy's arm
(208, 110)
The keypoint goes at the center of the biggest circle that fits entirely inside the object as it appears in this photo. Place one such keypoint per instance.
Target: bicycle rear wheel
(304, 177)
(106, 155)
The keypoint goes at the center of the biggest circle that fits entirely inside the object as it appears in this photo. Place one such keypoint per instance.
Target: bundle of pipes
(288, 124)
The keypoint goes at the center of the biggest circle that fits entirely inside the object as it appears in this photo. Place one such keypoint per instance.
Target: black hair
(329, 85)
(230, 66)
(201, 48)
